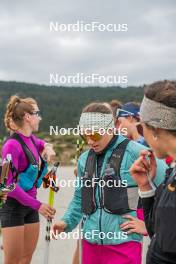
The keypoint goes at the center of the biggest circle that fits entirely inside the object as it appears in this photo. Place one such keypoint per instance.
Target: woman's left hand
(49, 153)
(143, 170)
(133, 225)
(3, 196)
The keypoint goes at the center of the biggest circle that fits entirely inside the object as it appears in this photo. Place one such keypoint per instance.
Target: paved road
(61, 251)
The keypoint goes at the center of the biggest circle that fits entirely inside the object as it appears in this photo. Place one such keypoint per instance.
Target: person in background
(128, 117)
(115, 104)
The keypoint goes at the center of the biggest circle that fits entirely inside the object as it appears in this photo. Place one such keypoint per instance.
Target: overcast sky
(30, 52)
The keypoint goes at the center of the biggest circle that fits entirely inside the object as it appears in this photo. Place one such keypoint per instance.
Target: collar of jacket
(114, 142)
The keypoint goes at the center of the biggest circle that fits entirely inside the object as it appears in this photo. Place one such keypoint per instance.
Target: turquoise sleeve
(161, 172)
(73, 214)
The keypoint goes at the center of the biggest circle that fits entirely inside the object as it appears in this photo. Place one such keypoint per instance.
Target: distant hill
(62, 106)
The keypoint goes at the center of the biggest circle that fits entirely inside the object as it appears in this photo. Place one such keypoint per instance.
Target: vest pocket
(88, 196)
(26, 179)
(115, 199)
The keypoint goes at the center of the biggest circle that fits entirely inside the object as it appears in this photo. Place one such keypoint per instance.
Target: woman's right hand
(76, 172)
(47, 211)
(59, 227)
(142, 170)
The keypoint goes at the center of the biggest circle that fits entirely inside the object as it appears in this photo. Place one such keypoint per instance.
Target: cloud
(29, 51)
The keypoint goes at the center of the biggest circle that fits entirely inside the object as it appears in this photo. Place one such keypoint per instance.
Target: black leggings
(156, 256)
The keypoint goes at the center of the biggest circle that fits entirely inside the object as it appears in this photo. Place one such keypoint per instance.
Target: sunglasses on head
(120, 112)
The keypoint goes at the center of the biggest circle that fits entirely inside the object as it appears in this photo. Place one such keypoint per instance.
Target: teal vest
(32, 175)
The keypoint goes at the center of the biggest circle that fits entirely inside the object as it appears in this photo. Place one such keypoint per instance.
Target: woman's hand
(47, 211)
(3, 196)
(143, 170)
(49, 152)
(133, 225)
(76, 172)
(59, 227)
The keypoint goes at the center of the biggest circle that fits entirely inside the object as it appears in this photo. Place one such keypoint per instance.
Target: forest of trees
(61, 106)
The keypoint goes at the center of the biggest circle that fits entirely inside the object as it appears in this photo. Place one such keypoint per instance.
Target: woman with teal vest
(106, 191)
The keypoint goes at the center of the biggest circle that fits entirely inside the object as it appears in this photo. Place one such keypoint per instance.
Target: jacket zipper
(99, 195)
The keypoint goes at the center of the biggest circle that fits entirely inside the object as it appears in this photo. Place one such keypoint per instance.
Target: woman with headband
(158, 119)
(106, 192)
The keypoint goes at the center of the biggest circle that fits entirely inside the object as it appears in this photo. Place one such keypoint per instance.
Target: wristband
(48, 145)
(146, 194)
